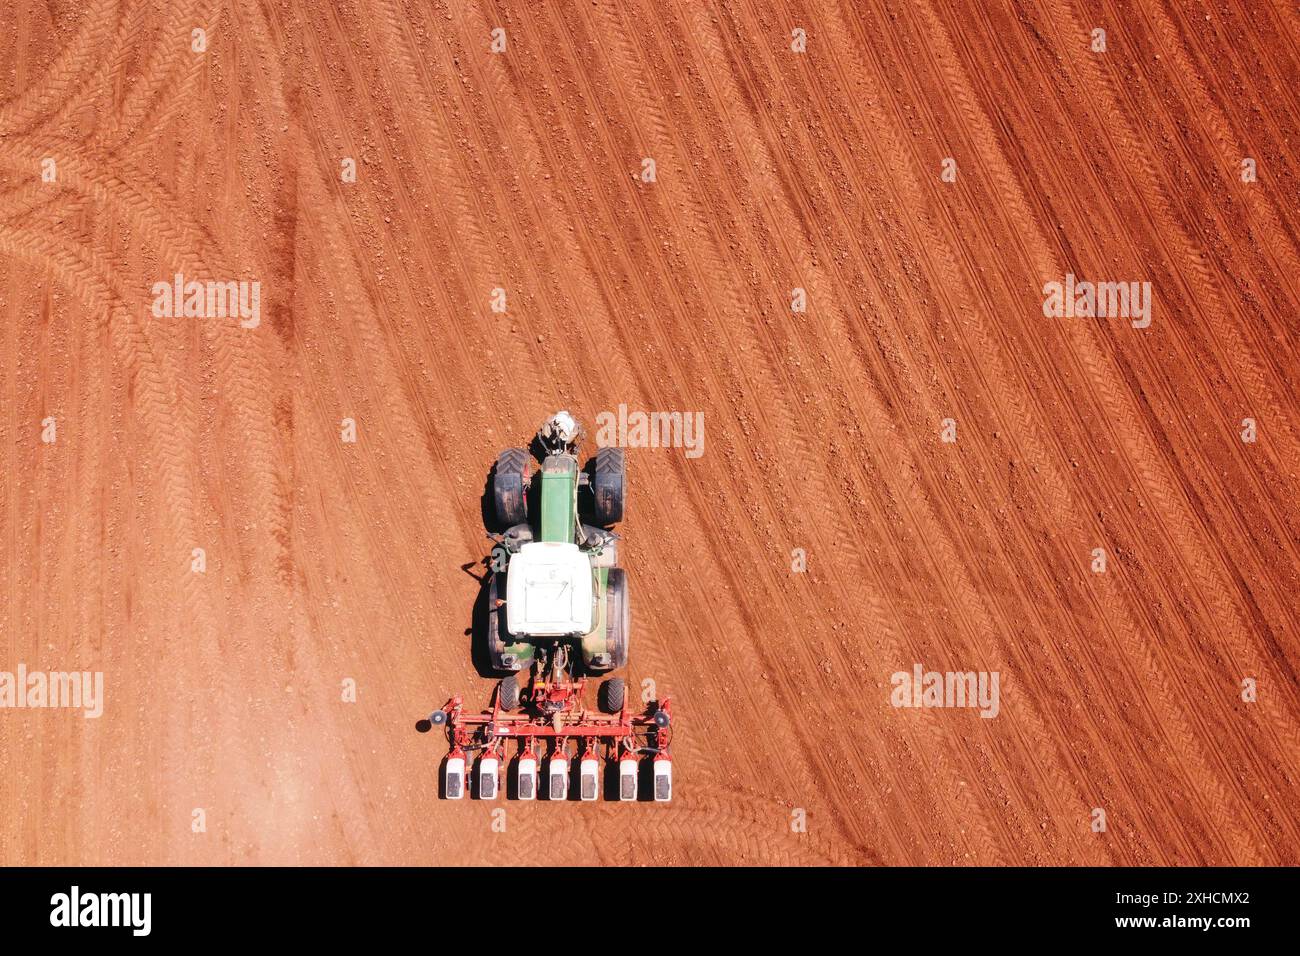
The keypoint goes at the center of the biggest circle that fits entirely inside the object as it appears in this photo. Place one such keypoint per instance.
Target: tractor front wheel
(510, 487)
(608, 486)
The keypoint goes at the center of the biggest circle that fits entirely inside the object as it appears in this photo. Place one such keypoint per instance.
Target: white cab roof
(548, 590)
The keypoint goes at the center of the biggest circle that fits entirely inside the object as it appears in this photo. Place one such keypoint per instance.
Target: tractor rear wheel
(508, 693)
(510, 486)
(608, 485)
(611, 694)
(618, 618)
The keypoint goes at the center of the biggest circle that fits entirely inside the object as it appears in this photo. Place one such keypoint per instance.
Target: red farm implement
(554, 739)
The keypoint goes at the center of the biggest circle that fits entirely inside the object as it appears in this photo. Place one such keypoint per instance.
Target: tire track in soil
(154, 397)
(21, 111)
(191, 250)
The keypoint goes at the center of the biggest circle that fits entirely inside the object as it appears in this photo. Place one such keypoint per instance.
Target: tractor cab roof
(549, 590)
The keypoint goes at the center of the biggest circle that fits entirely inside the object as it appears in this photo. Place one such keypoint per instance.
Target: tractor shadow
(486, 506)
(477, 632)
(480, 571)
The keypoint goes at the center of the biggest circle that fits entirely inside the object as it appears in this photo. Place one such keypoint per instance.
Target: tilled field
(946, 458)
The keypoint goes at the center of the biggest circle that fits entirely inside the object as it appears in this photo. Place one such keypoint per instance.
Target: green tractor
(558, 606)
(557, 617)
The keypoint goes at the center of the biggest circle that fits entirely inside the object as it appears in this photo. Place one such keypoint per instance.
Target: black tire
(611, 695)
(510, 486)
(608, 486)
(618, 618)
(508, 693)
